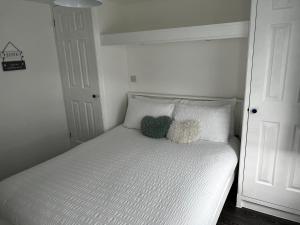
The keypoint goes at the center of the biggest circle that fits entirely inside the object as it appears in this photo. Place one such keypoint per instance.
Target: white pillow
(139, 108)
(184, 132)
(214, 120)
(221, 102)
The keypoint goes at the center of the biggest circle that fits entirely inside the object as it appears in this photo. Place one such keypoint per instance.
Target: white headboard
(238, 108)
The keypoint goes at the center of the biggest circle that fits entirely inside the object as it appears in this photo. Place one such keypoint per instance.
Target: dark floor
(235, 216)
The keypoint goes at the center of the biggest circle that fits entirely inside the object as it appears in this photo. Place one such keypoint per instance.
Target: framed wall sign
(13, 65)
(12, 58)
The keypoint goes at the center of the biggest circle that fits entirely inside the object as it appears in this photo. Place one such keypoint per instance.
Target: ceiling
(42, 1)
(129, 1)
(115, 1)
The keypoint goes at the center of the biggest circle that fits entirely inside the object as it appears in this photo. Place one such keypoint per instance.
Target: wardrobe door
(272, 164)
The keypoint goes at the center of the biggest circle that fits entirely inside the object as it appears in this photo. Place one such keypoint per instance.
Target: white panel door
(76, 51)
(272, 165)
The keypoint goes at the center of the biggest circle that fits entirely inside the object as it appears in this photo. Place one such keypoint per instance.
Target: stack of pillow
(181, 121)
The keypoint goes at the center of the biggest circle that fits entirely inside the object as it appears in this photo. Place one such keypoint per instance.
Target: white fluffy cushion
(139, 108)
(214, 120)
(184, 132)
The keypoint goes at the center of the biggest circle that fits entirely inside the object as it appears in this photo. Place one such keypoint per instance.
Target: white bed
(123, 178)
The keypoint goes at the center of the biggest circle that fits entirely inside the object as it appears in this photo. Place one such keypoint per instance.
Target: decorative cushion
(184, 132)
(155, 127)
(214, 120)
(139, 108)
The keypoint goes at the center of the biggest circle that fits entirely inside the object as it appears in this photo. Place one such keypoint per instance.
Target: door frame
(251, 42)
(242, 200)
(97, 43)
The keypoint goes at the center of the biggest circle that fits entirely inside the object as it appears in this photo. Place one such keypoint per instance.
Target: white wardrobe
(269, 174)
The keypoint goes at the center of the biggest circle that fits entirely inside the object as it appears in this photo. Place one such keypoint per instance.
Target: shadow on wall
(33, 124)
(20, 157)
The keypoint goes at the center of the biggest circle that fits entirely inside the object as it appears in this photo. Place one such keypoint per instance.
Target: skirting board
(268, 208)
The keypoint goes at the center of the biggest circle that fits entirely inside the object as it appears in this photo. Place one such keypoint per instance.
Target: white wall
(113, 71)
(116, 86)
(138, 15)
(215, 68)
(32, 118)
(202, 68)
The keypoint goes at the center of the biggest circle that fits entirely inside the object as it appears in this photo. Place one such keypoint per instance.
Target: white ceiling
(129, 1)
(42, 1)
(115, 1)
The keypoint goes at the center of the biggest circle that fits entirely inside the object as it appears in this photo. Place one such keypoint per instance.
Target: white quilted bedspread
(121, 178)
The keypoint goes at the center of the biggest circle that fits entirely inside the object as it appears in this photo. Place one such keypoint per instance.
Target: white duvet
(122, 178)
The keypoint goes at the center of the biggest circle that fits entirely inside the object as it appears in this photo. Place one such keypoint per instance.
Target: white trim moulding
(181, 34)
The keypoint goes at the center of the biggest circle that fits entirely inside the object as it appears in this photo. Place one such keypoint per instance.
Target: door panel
(272, 170)
(278, 52)
(77, 58)
(294, 173)
(267, 152)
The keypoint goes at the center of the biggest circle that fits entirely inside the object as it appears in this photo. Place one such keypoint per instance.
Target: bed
(124, 178)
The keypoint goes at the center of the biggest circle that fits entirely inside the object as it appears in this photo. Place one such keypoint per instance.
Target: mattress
(122, 178)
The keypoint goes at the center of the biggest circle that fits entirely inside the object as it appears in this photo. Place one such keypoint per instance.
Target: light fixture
(78, 3)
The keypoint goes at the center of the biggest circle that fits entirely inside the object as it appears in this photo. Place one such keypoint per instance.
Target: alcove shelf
(194, 33)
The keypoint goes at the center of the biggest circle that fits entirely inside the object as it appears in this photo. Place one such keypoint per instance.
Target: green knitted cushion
(155, 127)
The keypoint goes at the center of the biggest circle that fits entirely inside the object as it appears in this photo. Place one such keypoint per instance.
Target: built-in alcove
(170, 51)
